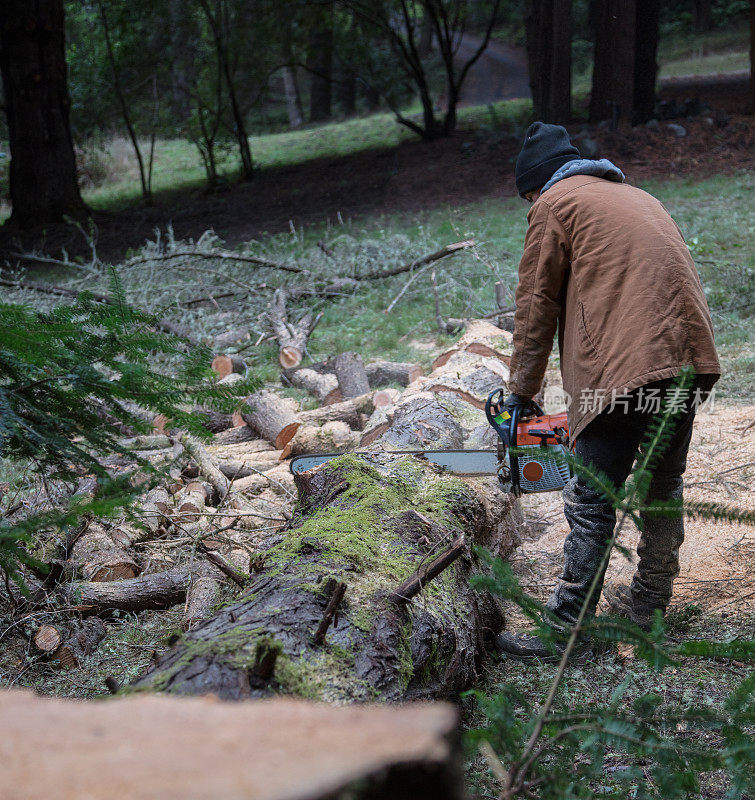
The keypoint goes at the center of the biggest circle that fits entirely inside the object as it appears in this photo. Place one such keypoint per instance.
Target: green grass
(177, 165)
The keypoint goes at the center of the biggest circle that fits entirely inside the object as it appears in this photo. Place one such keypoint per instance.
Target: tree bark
(203, 595)
(332, 437)
(351, 374)
(381, 373)
(613, 66)
(43, 182)
(645, 65)
(158, 590)
(100, 558)
(270, 418)
(364, 524)
(348, 411)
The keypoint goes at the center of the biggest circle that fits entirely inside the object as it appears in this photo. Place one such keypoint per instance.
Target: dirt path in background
(717, 559)
(500, 73)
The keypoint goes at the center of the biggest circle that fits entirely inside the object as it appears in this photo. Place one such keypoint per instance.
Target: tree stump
(369, 524)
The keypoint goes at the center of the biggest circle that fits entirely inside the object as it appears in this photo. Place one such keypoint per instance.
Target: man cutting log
(606, 266)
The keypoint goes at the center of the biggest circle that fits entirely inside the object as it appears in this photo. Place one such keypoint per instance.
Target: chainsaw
(530, 455)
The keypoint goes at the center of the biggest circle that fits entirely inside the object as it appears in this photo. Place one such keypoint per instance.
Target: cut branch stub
(274, 422)
(358, 524)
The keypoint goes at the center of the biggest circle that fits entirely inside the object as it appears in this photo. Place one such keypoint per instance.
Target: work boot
(618, 596)
(528, 646)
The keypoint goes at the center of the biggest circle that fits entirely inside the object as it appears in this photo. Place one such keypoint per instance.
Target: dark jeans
(610, 443)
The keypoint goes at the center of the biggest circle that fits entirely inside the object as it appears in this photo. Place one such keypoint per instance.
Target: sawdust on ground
(717, 558)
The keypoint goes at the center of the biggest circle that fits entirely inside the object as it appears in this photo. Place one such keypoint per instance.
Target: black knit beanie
(546, 148)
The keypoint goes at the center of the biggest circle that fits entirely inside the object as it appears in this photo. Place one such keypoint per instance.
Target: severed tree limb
(415, 583)
(206, 463)
(292, 339)
(448, 250)
(237, 577)
(159, 590)
(217, 255)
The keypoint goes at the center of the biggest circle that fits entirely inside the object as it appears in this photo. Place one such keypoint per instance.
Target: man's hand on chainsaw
(517, 401)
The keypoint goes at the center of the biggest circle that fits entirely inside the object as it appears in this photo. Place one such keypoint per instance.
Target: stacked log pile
(360, 588)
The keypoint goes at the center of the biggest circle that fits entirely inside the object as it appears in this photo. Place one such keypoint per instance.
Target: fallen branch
(292, 339)
(207, 464)
(215, 558)
(448, 250)
(216, 255)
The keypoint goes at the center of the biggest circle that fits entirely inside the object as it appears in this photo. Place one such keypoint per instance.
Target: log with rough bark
(483, 339)
(203, 595)
(279, 749)
(362, 523)
(332, 437)
(223, 365)
(471, 377)
(418, 421)
(158, 590)
(382, 373)
(235, 435)
(292, 339)
(214, 421)
(320, 384)
(82, 642)
(351, 375)
(208, 467)
(100, 557)
(271, 418)
(348, 411)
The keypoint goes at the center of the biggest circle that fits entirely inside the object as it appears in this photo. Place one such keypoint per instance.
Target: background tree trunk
(703, 17)
(321, 65)
(43, 181)
(613, 65)
(293, 98)
(548, 31)
(645, 65)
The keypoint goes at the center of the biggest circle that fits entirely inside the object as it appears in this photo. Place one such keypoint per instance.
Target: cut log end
(47, 639)
(225, 365)
(289, 357)
(286, 435)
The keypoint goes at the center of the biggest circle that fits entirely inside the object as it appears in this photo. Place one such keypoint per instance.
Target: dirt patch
(717, 558)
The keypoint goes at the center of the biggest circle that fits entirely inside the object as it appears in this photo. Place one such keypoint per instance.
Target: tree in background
(403, 26)
(43, 182)
(549, 42)
(320, 61)
(624, 68)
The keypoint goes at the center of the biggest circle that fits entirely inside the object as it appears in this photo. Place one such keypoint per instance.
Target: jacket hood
(602, 168)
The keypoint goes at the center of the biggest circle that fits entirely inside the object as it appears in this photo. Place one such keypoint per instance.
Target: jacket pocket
(593, 350)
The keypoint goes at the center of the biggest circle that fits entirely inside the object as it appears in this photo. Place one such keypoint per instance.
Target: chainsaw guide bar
(458, 462)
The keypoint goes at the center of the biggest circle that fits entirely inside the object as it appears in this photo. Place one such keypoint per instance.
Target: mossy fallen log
(369, 524)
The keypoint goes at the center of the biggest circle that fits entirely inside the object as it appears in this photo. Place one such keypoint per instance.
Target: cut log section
(82, 642)
(279, 749)
(332, 437)
(292, 339)
(348, 411)
(208, 467)
(100, 558)
(469, 376)
(203, 595)
(383, 373)
(47, 639)
(158, 590)
(364, 524)
(223, 365)
(483, 339)
(384, 398)
(418, 422)
(318, 383)
(351, 375)
(271, 418)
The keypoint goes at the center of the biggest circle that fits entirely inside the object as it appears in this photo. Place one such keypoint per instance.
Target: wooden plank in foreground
(145, 747)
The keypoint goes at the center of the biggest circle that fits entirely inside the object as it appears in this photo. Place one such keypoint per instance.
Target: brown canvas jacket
(606, 265)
